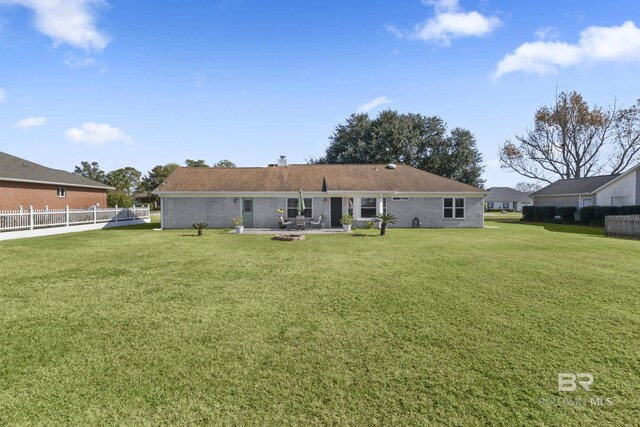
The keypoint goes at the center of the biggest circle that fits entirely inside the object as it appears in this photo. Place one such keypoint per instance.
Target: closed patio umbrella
(301, 206)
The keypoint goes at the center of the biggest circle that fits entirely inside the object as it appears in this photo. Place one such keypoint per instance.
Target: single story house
(605, 190)
(507, 198)
(415, 197)
(24, 183)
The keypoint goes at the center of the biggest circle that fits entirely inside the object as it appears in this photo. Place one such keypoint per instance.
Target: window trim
(308, 204)
(61, 194)
(454, 208)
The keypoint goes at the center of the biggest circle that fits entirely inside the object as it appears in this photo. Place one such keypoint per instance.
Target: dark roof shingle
(313, 178)
(575, 186)
(14, 168)
(506, 194)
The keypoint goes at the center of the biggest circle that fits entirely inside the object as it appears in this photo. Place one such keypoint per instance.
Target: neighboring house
(24, 183)
(144, 198)
(606, 190)
(216, 195)
(507, 198)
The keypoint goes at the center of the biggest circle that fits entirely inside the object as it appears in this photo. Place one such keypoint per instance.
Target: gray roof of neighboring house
(14, 168)
(575, 186)
(506, 194)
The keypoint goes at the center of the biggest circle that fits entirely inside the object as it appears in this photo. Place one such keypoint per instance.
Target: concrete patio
(291, 231)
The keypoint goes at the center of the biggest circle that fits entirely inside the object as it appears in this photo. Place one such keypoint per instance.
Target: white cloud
(368, 106)
(97, 134)
(31, 122)
(596, 44)
(448, 23)
(74, 61)
(3, 94)
(547, 33)
(66, 21)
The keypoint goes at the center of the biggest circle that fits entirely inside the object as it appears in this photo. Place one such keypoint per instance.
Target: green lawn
(132, 326)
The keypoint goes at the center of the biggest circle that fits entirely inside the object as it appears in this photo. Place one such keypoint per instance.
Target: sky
(137, 83)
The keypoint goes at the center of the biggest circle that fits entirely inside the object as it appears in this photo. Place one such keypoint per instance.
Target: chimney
(282, 161)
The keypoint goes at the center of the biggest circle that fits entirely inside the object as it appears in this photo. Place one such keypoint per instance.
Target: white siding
(624, 187)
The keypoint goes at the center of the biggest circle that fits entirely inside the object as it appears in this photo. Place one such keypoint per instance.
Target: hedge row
(589, 215)
(499, 210)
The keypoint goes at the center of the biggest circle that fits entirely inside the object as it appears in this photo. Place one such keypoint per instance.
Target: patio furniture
(284, 224)
(300, 222)
(315, 223)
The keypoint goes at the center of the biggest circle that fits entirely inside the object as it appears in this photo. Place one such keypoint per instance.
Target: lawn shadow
(145, 226)
(558, 228)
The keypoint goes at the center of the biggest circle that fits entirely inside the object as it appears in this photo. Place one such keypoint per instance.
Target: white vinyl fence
(32, 219)
(623, 226)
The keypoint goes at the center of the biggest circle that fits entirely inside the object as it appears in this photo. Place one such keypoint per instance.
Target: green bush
(567, 213)
(499, 210)
(587, 215)
(629, 210)
(539, 213)
(120, 199)
(599, 212)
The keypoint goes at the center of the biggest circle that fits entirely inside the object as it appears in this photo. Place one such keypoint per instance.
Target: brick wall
(16, 194)
(429, 210)
(181, 212)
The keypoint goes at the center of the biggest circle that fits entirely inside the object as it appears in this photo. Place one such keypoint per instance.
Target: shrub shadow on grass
(560, 228)
(146, 226)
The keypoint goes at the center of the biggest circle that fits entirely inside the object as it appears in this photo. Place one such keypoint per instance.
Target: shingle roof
(506, 194)
(14, 168)
(313, 178)
(575, 186)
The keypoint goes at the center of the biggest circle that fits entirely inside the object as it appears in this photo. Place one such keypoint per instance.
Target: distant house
(24, 183)
(507, 198)
(605, 190)
(415, 197)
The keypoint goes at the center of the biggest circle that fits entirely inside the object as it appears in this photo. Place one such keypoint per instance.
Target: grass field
(132, 326)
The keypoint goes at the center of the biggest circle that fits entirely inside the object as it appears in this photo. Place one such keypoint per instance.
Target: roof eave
(68, 184)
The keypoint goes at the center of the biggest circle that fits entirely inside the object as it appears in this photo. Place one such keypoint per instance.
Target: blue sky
(133, 83)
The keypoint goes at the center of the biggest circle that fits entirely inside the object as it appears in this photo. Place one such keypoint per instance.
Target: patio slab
(291, 231)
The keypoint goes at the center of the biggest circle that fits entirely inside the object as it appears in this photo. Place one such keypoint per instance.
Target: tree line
(128, 180)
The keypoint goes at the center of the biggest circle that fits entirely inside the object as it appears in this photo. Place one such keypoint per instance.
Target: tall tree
(156, 176)
(125, 179)
(410, 139)
(528, 187)
(196, 163)
(90, 170)
(569, 139)
(224, 164)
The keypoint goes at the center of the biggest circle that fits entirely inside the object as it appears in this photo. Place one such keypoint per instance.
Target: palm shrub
(200, 226)
(385, 219)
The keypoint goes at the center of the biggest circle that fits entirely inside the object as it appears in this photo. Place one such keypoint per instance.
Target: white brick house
(415, 197)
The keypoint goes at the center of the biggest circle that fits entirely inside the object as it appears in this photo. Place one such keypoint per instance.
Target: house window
(505, 205)
(454, 207)
(618, 201)
(61, 192)
(587, 202)
(490, 205)
(368, 207)
(292, 207)
(400, 199)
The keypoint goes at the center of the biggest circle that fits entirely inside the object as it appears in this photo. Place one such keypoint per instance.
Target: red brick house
(24, 183)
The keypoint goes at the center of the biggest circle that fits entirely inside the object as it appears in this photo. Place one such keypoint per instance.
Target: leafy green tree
(125, 179)
(155, 177)
(196, 163)
(410, 139)
(91, 171)
(120, 199)
(224, 164)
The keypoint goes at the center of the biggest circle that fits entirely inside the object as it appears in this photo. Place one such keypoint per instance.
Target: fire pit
(288, 237)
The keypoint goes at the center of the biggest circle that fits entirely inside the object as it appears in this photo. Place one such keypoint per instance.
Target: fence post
(116, 213)
(30, 217)
(134, 212)
(95, 214)
(66, 214)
